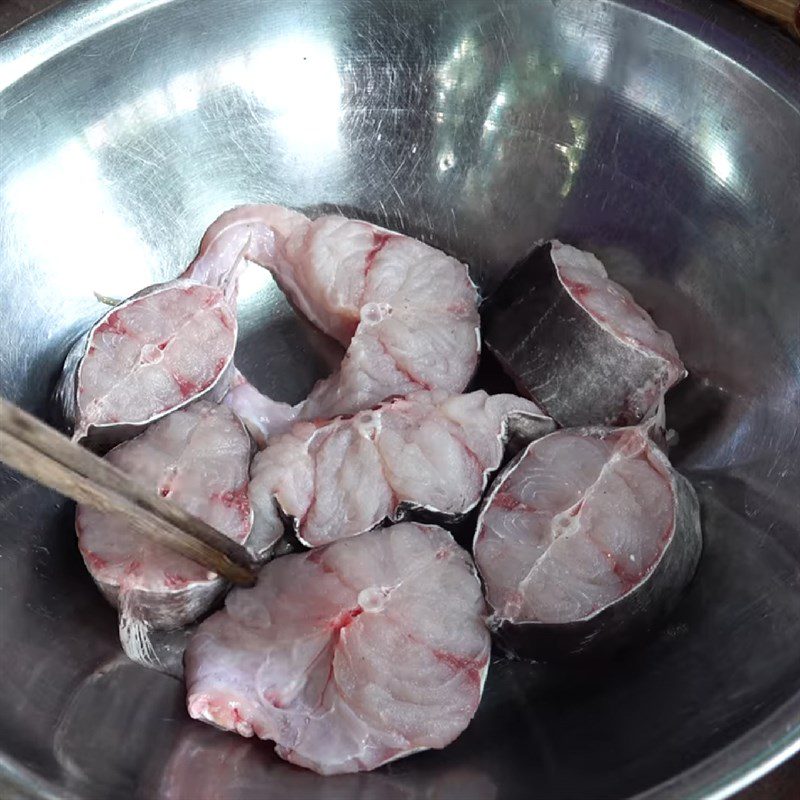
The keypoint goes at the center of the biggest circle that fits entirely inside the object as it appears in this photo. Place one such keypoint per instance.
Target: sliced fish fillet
(590, 533)
(406, 312)
(199, 458)
(348, 656)
(576, 342)
(429, 450)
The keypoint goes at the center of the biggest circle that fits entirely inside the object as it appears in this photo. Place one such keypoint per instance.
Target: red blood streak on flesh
(225, 318)
(403, 371)
(95, 561)
(576, 288)
(472, 455)
(625, 580)
(379, 240)
(163, 345)
(132, 567)
(186, 387)
(113, 324)
(505, 501)
(575, 510)
(579, 291)
(321, 422)
(391, 400)
(630, 444)
(315, 557)
(175, 581)
(237, 499)
(343, 619)
(457, 309)
(274, 699)
(470, 666)
(211, 296)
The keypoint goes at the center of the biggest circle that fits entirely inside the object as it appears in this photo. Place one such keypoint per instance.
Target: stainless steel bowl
(663, 135)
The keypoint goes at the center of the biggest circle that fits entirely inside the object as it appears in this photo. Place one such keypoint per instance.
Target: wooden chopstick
(43, 454)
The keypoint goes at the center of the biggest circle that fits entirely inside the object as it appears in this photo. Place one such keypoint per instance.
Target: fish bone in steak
(350, 655)
(576, 342)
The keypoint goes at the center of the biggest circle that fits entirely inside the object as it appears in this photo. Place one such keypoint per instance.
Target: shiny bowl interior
(665, 136)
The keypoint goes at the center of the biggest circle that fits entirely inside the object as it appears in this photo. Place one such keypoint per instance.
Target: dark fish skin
(578, 372)
(620, 623)
(65, 394)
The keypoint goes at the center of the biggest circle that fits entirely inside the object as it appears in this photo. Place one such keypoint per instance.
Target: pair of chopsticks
(43, 454)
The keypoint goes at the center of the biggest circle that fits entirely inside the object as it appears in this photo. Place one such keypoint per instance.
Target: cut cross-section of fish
(406, 312)
(429, 450)
(157, 351)
(199, 458)
(348, 656)
(589, 535)
(576, 342)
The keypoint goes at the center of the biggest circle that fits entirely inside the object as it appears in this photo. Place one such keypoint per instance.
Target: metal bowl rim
(771, 58)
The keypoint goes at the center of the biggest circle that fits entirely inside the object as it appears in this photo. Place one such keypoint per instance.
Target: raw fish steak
(199, 458)
(576, 342)
(406, 312)
(350, 655)
(157, 351)
(430, 450)
(587, 535)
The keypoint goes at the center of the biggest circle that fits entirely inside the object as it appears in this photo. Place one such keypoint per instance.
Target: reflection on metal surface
(573, 152)
(296, 79)
(661, 135)
(117, 690)
(48, 205)
(720, 161)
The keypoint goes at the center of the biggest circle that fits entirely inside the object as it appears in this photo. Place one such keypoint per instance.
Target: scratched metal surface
(662, 135)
